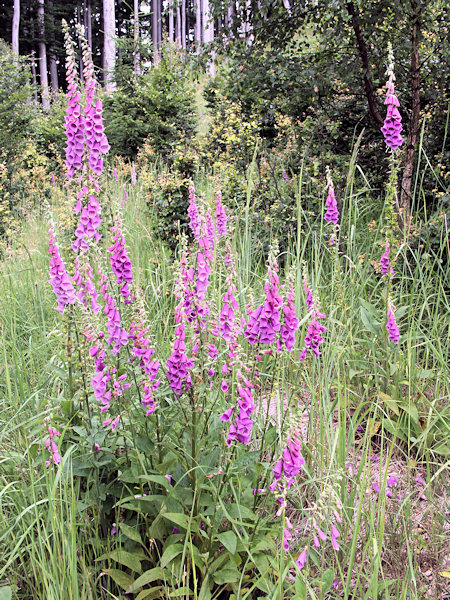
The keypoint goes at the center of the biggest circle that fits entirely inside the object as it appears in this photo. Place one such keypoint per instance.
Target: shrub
(158, 107)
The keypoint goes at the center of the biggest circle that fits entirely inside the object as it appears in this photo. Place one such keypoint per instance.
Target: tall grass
(50, 545)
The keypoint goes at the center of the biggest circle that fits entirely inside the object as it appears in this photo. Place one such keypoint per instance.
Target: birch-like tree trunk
(109, 44)
(89, 23)
(137, 56)
(171, 23)
(178, 29)
(43, 57)
(52, 56)
(198, 22)
(413, 131)
(155, 30)
(183, 23)
(34, 78)
(15, 27)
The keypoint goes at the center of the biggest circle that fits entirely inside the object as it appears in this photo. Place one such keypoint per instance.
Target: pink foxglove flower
(290, 464)
(178, 364)
(332, 213)
(59, 278)
(193, 214)
(386, 267)
(391, 326)
(120, 262)
(221, 216)
(392, 127)
(264, 323)
(301, 560)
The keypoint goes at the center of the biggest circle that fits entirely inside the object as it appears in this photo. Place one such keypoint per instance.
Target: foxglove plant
(59, 278)
(315, 329)
(391, 324)
(264, 323)
(392, 127)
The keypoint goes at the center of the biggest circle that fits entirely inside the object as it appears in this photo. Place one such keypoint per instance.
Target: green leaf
(181, 520)
(300, 589)
(145, 578)
(228, 574)
(369, 322)
(5, 593)
(411, 410)
(130, 532)
(181, 592)
(326, 580)
(390, 403)
(123, 580)
(170, 553)
(229, 540)
(124, 558)
(154, 592)
(205, 591)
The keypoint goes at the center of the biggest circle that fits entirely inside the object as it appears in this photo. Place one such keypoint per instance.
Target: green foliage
(15, 93)
(158, 107)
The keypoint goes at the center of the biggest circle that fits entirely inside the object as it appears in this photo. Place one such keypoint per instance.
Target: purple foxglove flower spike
(392, 127)
(120, 262)
(332, 213)
(386, 268)
(264, 322)
(391, 325)
(178, 364)
(59, 278)
(221, 216)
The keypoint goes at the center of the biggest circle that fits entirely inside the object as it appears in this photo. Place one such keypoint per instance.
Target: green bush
(159, 107)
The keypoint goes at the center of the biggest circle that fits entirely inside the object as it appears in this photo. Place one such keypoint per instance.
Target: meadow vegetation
(235, 384)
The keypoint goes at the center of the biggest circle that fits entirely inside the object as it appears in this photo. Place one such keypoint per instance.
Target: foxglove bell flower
(221, 216)
(392, 127)
(193, 214)
(120, 262)
(332, 213)
(178, 364)
(391, 326)
(59, 278)
(264, 323)
(386, 267)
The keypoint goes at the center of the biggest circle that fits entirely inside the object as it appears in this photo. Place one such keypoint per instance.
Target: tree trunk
(178, 34)
(52, 56)
(368, 87)
(137, 56)
(34, 78)
(171, 24)
(183, 23)
(43, 57)
(155, 30)
(15, 27)
(89, 24)
(198, 22)
(109, 44)
(411, 140)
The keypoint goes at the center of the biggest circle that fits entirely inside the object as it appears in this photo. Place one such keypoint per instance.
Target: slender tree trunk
(52, 56)
(368, 87)
(155, 30)
(411, 140)
(137, 56)
(119, 28)
(109, 44)
(34, 78)
(183, 23)
(159, 30)
(171, 24)
(15, 27)
(89, 23)
(198, 22)
(178, 34)
(43, 57)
